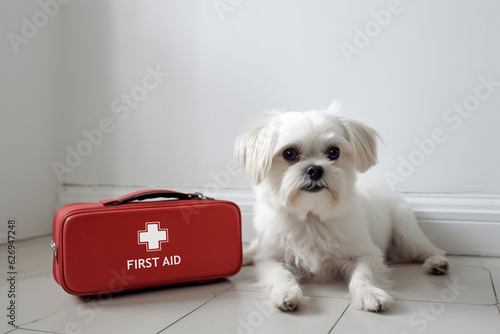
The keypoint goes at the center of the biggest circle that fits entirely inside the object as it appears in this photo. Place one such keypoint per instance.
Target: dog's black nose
(315, 172)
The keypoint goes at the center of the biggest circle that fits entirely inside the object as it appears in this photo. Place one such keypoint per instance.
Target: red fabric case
(122, 244)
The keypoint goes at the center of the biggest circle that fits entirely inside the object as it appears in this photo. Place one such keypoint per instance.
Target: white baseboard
(459, 224)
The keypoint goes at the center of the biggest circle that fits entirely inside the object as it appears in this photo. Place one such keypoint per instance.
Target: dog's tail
(249, 253)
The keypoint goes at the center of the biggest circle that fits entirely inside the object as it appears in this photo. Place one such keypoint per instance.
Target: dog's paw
(437, 265)
(288, 300)
(372, 299)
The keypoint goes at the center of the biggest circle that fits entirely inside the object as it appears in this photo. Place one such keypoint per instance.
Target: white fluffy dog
(315, 221)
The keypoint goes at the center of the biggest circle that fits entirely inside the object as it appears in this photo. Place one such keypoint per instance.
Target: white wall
(227, 64)
(266, 54)
(30, 117)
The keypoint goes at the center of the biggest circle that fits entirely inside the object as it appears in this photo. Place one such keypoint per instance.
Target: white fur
(347, 229)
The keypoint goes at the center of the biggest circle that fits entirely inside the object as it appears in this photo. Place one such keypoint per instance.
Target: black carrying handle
(152, 194)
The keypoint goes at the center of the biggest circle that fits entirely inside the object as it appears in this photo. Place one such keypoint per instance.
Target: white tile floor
(464, 301)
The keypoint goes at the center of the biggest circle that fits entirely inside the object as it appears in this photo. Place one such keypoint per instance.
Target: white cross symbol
(153, 236)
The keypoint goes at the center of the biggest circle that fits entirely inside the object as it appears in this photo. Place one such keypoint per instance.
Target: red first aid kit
(133, 243)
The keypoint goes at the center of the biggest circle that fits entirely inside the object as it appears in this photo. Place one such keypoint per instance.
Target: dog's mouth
(313, 188)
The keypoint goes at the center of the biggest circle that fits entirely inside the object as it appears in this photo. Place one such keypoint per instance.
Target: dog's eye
(333, 153)
(290, 154)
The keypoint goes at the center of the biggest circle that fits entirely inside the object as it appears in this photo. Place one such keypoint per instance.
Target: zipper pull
(54, 248)
(201, 196)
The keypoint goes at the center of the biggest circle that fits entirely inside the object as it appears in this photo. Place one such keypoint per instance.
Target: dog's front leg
(367, 280)
(280, 284)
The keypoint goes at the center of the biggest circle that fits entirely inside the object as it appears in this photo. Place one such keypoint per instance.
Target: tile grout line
(37, 330)
(336, 322)
(444, 303)
(176, 321)
(493, 286)
(36, 320)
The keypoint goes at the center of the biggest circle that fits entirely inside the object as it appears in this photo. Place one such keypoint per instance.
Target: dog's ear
(254, 149)
(364, 139)
(334, 107)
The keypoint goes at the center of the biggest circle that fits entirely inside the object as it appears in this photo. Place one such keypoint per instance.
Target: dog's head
(307, 161)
